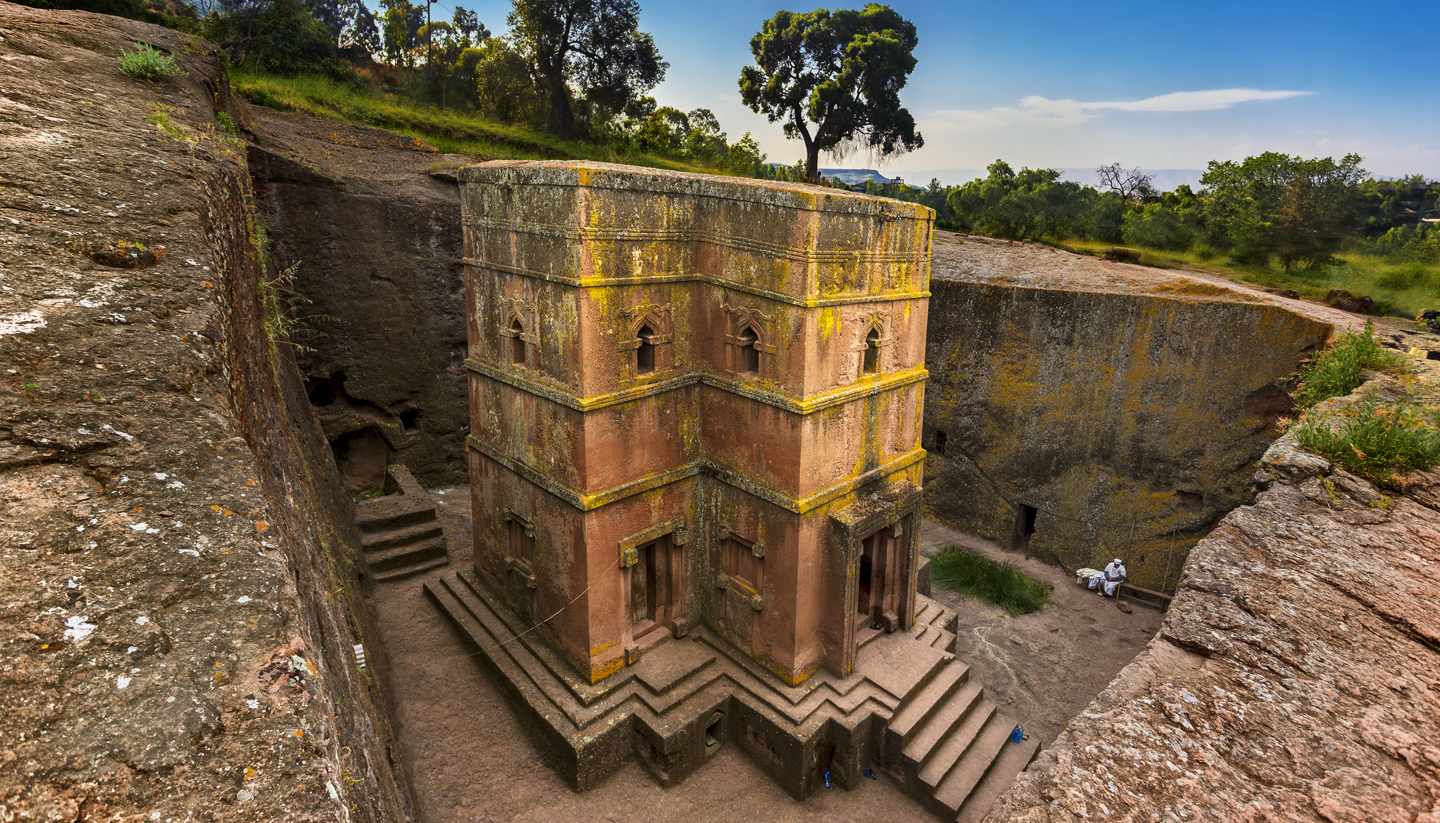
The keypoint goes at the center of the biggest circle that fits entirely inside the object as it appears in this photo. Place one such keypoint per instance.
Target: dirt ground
(472, 763)
(1041, 668)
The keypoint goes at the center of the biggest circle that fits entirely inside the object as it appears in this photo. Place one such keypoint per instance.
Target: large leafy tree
(1296, 209)
(594, 46)
(834, 79)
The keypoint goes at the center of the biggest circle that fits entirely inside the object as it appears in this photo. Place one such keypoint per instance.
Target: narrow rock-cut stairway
(949, 746)
(400, 533)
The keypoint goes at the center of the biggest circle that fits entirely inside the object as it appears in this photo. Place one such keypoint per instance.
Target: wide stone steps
(950, 747)
(400, 534)
(383, 539)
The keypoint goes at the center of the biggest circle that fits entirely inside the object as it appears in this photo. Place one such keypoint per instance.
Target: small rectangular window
(740, 563)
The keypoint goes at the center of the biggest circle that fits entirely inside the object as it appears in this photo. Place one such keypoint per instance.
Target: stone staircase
(400, 534)
(934, 625)
(950, 748)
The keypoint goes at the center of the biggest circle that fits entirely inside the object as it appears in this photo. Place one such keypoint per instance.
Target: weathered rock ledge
(1296, 675)
(176, 612)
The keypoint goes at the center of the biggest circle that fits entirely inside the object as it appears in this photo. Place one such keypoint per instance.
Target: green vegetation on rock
(1373, 440)
(1341, 367)
(148, 63)
(958, 570)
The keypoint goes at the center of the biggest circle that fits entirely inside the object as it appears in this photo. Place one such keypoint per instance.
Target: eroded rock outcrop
(177, 613)
(1296, 675)
(1082, 409)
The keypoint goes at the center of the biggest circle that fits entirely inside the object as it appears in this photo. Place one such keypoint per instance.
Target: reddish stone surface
(786, 456)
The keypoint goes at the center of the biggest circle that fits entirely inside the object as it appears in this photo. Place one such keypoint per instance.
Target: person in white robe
(1108, 581)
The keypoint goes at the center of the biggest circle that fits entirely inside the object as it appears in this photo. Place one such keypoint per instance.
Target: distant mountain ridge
(1164, 179)
(856, 177)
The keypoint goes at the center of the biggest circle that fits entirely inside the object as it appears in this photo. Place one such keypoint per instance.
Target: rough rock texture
(175, 621)
(1296, 675)
(376, 241)
(1125, 406)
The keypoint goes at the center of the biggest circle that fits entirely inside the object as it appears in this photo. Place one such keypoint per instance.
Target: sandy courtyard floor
(471, 761)
(1041, 668)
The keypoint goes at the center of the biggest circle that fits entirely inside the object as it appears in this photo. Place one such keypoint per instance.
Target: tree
(401, 23)
(278, 36)
(451, 61)
(504, 88)
(1298, 210)
(834, 80)
(595, 46)
(1131, 184)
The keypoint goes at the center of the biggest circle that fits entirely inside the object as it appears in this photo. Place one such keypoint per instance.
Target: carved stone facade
(694, 400)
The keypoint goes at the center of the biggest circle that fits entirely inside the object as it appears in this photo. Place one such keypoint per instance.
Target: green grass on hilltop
(1401, 288)
(974, 574)
(445, 129)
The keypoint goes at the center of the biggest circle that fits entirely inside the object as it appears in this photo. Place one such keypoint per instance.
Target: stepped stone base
(688, 697)
(400, 533)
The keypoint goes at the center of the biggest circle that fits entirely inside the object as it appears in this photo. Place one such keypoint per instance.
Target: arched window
(749, 350)
(645, 352)
(517, 342)
(870, 360)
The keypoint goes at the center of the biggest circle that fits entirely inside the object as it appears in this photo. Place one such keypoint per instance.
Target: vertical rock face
(1296, 675)
(1084, 411)
(378, 289)
(177, 614)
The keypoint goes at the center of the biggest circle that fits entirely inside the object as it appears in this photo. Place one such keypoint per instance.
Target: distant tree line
(1294, 210)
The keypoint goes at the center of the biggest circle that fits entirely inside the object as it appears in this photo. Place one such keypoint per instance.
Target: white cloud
(1036, 110)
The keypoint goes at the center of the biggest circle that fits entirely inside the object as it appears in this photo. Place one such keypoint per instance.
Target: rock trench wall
(379, 291)
(177, 606)
(1128, 424)
(1296, 675)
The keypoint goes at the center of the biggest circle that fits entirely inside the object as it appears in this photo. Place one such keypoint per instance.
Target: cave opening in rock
(362, 456)
(324, 391)
(410, 419)
(1024, 525)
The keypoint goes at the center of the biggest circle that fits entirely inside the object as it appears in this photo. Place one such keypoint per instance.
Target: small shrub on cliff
(148, 63)
(1340, 369)
(1376, 442)
(1004, 585)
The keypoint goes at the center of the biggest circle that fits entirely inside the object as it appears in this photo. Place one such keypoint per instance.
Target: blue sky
(1065, 84)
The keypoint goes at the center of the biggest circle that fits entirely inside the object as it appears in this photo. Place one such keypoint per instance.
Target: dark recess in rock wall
(1081, 425)
(378, 290)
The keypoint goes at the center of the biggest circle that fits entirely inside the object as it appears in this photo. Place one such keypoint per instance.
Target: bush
(958, 570)
(1157, 226)
(1340, 369)
(1374, 441)
(148, 63)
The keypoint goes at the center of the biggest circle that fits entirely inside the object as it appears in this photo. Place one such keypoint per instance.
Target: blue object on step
(1017, 735)
(827, 778)
(870, 773)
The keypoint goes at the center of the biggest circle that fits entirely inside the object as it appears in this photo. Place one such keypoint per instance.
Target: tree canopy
(1296, 209)
(595, 46)
(833, 78)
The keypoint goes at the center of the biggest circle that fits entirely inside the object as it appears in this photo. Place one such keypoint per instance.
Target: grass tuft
(1376, 442)
(1341, 367)
(968, 573)
(148, 63)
